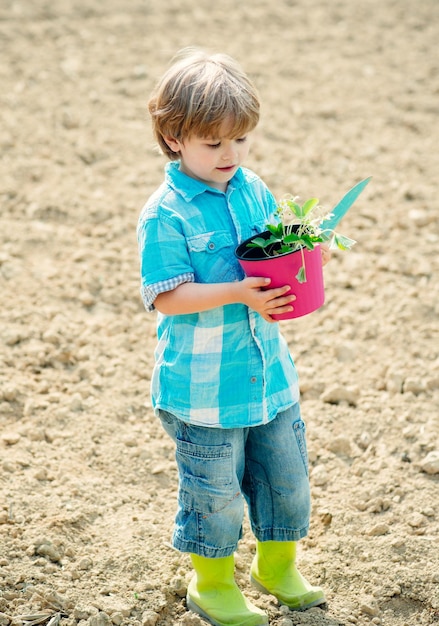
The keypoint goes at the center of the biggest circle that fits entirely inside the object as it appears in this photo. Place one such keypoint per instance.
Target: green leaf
(272, 240)
(258, 242)
(301, 276)
(284, 249)
(308, 241)
(291, 238)
(342, 242)
(276, 230)
(295, 208)
(309, 205)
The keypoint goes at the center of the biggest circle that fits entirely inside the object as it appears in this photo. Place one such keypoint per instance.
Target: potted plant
(288, 251)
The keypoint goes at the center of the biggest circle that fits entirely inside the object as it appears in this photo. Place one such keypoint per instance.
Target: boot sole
(192, 606)
(321, 602)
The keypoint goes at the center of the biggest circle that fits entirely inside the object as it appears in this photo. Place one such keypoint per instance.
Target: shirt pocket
(213, 257)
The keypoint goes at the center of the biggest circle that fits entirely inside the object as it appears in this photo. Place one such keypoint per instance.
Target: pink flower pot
(282, 270)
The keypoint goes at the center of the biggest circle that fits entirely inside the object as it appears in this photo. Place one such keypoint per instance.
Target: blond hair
(197, 94)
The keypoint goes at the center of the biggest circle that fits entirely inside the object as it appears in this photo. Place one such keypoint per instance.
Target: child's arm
(197, 297)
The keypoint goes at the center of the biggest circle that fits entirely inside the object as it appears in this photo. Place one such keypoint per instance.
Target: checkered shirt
(226, 367)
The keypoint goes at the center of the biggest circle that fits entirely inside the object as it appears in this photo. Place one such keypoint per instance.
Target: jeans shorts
(219, 469)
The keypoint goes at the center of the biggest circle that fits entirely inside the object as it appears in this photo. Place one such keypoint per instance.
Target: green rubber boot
(274, 571)
(214, 594)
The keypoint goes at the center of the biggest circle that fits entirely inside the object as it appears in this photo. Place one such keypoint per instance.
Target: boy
(224, 384)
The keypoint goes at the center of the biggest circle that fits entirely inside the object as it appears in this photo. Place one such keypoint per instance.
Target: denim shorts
(220, 469)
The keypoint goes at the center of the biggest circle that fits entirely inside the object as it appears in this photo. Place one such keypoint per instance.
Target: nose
(229, 153)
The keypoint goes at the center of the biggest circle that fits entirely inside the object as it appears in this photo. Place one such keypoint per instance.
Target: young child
(224, 384)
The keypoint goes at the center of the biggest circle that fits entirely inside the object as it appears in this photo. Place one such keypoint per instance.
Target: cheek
(245, 147)
(244, 152)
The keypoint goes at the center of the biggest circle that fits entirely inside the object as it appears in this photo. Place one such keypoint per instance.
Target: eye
(214, 145)
(241, 140)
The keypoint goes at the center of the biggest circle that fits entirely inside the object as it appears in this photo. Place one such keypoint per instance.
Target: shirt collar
(189, 187)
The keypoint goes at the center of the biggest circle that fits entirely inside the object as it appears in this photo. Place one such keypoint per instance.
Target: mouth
(229, 168)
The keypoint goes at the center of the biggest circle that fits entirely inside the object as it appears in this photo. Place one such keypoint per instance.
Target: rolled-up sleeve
(150, 292)
(164, 258)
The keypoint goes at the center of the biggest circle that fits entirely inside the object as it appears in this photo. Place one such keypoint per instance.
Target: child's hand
(326, 253)
(266, 302)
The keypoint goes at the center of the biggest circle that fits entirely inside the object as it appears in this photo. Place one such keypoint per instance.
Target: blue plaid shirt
(226, 367)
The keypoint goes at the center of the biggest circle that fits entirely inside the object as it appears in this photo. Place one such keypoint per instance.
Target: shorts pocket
(206, 476)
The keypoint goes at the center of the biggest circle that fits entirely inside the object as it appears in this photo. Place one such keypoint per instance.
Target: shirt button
(211, 246)
(253, 379)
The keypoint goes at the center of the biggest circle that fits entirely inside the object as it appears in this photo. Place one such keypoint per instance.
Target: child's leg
(277, 489)
(276, 483)
(210, 503)
(209, 519)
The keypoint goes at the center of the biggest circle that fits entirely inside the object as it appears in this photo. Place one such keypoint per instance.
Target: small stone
(394, 382)
(178, 586)
(9, 393)
(364, 440)
(378, 530)
(49, 551)
(130, 442)
(419, 217)
(4, 619)
(370, 608)
(341, 445)
(432, 383)
(149, 618)
(29, 408)
(12, 338)
(340, 393)
(430, 465)
(326, 518)
(160, 468)
(76, 403)
(100, 619)
(41, 474)
(416, 520)
(87, 299)
(345, 353)
(111, 605)
(428, 511)
(83, 613)
(85, 563)
(319, 475)
(36, 434)
(52, 337)
(190, 619)
(11, 438)
(413, 385)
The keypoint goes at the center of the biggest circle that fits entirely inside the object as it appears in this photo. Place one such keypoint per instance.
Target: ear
(174, 144)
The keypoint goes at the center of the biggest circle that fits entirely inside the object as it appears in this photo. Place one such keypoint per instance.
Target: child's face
(213, 160)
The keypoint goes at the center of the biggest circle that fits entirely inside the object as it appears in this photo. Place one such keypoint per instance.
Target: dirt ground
(87, 478)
